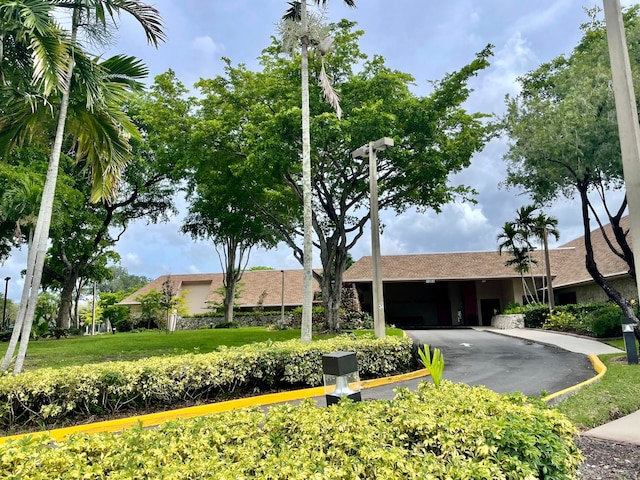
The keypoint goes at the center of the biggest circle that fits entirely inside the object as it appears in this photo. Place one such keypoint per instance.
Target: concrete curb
(154, 419)
(557, 397)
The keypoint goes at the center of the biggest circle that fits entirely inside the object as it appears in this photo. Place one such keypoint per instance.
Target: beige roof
(253, 284)
(574, 271)
(445, 266)
(567, 268)
(567, 264)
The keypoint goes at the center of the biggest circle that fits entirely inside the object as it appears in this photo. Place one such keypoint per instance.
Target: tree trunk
(547, 265)
(334, 260)
(614, 295)
(229, 294)
(36, 261)
(66, 301)
(307, 276)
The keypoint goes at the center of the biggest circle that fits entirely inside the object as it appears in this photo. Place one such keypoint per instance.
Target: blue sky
(425, 39)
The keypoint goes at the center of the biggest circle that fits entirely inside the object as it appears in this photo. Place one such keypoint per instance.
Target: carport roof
(448, 266)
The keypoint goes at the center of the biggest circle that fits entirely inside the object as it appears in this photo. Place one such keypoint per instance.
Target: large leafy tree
(102, 139)
(564, 140)
(434, 135)
(219, 210)
(298, 13)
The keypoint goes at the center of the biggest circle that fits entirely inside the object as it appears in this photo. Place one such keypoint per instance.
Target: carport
(441, 290)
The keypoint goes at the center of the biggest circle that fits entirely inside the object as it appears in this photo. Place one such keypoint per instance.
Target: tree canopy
(262, 144)
(564, 138)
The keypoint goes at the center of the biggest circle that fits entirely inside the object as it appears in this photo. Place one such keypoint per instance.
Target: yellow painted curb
(153, 419)
(598, 366)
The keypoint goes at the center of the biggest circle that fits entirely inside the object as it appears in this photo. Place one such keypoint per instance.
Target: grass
(616, 395)
(84, 350)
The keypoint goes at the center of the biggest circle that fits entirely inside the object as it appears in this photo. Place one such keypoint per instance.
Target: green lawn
(616, 395)
(132, 346)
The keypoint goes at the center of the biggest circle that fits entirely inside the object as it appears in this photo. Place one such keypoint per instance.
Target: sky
(425, 39)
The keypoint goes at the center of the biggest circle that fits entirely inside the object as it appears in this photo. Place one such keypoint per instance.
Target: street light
(4, 306)
(628, 129)
(282, 300)
(378, 295)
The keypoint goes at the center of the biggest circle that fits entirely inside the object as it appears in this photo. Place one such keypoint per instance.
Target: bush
(565, 322)
(512, 307)
(606, 321)
(226, 325)
(455, 432)
(356, 321)
(47, 396)
(535, 315)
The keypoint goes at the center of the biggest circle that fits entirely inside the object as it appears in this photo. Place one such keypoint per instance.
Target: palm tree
(513, 240)
(19, 205)
(102, 144)
(298, 12)
(519, 234)
(543, 227)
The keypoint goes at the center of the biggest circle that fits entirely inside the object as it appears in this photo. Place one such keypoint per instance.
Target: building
(427, 290)
(468, 288)
(257, 288)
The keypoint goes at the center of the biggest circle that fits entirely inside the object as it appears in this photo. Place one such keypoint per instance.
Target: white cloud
(543, 17)
(207, 46)
(512, 60)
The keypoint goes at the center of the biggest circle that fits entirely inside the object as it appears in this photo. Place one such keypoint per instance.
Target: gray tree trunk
(307, 279)
(35, 263)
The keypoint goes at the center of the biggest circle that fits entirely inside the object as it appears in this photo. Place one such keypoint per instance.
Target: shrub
(47, 396)
(563, 321)
(227, 325)
(356, 321)
(535, 315)
(455, 432)
(606, 321)
(512, 307)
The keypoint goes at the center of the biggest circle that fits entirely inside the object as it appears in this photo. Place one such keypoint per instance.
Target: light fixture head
(361, 152)
(382, 144)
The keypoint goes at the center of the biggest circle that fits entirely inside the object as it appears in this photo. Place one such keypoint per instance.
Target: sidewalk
(622, 430)
(572, 343)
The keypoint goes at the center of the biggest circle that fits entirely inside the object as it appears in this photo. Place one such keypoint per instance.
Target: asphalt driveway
(501, 363)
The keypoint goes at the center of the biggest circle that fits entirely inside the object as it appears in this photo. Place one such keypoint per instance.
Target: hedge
(454, 432)
(45, 397)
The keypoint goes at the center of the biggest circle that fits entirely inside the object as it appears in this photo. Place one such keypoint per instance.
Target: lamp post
(378, 295)
(628, 128)
(4, 306)
(282, 300)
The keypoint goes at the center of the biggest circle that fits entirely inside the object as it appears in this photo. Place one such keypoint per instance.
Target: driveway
(501, 363)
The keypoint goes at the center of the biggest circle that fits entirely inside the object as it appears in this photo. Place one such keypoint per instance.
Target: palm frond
(294, 12)
(348, 3)
(329, 93)
(147, 16)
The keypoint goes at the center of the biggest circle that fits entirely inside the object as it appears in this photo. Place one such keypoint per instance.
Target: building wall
(195, 296)
(593, 293)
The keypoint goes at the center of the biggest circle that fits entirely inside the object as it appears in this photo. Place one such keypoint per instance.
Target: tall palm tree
(100, 147)
(298, 12)
(544, 226)
(513, 240)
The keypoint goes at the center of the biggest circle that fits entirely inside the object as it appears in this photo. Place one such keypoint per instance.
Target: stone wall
(243, 320)
(508, 321)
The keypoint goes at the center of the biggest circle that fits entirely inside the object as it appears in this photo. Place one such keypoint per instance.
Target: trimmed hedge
(600, 319)
(45, 397)
(454, 432)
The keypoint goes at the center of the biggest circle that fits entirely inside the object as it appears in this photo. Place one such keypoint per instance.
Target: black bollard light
(629, 341)
(341, 377)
